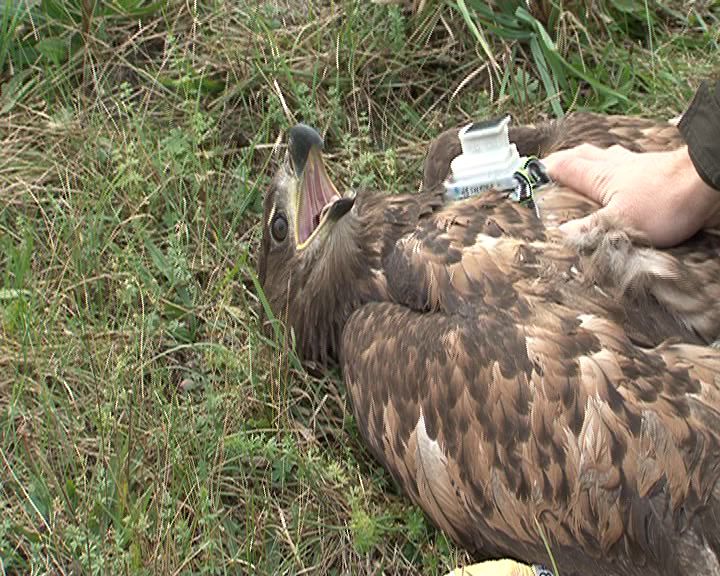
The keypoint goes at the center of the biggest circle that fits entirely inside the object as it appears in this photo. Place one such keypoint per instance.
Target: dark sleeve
(700, 126)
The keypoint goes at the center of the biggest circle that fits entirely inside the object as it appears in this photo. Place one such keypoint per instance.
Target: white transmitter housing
(488, 160)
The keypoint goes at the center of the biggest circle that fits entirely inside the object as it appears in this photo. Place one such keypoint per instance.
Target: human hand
(658, 193)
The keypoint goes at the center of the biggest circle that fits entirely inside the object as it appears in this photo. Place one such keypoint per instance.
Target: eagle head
(316, 261)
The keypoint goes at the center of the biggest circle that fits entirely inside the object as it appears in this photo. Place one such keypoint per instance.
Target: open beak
(317, 199)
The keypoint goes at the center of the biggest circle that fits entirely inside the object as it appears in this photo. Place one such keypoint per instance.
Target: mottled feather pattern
(505, 375)
(584, 458)
(597, 430)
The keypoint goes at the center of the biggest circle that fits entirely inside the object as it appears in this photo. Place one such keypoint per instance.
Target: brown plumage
(508, 377)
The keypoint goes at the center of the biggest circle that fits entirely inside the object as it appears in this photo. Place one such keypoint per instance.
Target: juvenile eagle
(509, 378)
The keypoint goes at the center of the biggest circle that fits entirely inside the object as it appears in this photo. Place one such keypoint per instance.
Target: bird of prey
(508, 378)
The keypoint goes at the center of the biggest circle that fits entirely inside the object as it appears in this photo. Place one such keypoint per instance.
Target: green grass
(146, 425)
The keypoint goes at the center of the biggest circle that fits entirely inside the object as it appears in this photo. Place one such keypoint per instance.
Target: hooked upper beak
(317, 199)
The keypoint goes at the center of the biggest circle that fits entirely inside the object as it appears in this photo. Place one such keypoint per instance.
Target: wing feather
(486, 436)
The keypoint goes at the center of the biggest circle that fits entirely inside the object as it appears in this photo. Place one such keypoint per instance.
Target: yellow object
(504, 567)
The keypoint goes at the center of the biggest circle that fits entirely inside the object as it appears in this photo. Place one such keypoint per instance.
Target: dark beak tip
(340, 208)
(302, 139)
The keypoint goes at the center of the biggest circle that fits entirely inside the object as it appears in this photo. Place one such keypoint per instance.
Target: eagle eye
(279, 228)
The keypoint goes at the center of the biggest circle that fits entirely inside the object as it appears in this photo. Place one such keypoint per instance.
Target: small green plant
(367, 530)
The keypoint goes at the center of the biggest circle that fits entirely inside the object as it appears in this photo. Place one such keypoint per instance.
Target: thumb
(582, 175)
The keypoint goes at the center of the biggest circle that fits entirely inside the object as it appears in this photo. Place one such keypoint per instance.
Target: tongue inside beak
(316, 195)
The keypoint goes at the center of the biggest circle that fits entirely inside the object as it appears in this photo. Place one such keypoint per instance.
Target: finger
(591, 152)
(580, 226)
(588, 177)
(585, 150)
(618, 152)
